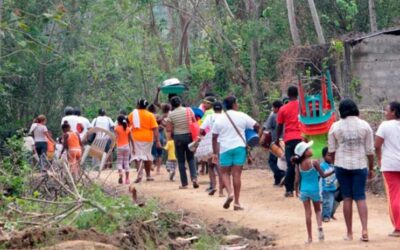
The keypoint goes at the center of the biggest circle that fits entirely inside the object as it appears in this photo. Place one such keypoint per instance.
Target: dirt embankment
(270, 213)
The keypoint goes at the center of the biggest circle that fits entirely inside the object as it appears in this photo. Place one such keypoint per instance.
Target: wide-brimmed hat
(302, 147)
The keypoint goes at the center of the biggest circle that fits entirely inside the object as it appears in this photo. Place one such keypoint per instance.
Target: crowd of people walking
(321, 172)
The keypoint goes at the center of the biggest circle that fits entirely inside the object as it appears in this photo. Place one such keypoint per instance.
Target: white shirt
(72, 121)
(389, 131)
(352, 140)
(209, 121)
(39, 133)
(227, 135)
(86, 125)
(104, 122)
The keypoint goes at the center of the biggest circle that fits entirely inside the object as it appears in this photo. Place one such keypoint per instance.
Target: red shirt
(288, 116)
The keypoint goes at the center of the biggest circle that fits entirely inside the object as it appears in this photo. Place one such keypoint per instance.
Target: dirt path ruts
(267, 210)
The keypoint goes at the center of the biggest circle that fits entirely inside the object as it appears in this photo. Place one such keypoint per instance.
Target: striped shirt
(178, 118)
(351, 139)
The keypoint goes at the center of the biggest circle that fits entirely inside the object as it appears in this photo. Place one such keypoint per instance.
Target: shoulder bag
(194, 127)
(248, 148)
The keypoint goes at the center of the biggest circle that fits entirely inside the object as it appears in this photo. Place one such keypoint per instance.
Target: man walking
(288, 121)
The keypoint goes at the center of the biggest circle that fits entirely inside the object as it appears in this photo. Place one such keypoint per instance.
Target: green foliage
(14, 167)
(207, 242)
(355, 86)
(121, 208)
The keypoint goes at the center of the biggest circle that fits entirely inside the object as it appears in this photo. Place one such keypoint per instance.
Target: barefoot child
(73, 144)
(123, 140)
(307, 174)
(171, 161)
(329, 186)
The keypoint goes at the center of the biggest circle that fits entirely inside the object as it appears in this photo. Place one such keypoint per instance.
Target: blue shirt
(309, 182)
(328, 183)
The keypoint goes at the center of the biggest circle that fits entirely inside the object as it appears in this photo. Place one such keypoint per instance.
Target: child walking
(329, 186)
(307, 180)
(123, 134)
(171, 160)
(73, 144)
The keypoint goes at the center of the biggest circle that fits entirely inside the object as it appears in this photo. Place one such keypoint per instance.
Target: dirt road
(267, 210)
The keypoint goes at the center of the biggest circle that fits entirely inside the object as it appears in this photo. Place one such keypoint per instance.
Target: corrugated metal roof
(354, 41)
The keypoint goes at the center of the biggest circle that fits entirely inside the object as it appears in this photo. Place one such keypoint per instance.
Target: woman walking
(387, 146)
(178, 124)
(41, 135)
(350, 142)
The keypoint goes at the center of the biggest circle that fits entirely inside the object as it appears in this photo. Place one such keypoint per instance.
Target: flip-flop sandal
(212, 192)
(221, 195)
(394, 234)
(228, 202)
(308, 242)
(138, 180)
(347, 238)
(238, 208)
(149, 179)
(183, 187)
(364, 238)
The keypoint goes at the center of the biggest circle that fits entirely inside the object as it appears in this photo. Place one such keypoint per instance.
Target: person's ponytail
(296, 159)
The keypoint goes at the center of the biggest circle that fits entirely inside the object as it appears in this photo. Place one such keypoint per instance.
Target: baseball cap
(302, 147)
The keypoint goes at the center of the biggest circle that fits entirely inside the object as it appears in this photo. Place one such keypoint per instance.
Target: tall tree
(292, 23)
(317, 24)
(372, 15)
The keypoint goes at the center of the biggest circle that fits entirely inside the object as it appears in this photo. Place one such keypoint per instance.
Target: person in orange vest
(73, 144)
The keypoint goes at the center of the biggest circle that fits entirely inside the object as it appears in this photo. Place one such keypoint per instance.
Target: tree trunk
(172, 36)
(252, 9)
(292, 23)
(1, 32)
(228, 9)
(153, 27)
(317, 24)
(372, 15)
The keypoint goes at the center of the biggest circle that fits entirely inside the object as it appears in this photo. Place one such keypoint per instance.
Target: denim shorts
(315, 196)
(352, 182)
(233, 157)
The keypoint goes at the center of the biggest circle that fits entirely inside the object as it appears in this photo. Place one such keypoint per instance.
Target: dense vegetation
(108, 53)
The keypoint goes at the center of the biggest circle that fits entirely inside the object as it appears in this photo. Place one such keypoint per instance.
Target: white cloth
(72, 121)
(39, 133)
(204, 150)
(103, 122)
(136, 118)
(227, 135)
(352, 140)
(29, 143)
(86, 125)
(389, 131)
(209, 121)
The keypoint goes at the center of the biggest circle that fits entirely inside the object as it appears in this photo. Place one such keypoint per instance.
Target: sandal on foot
(321, 235)
(195, 185)
(149, 179)
(308, 242)
(212, 192)
(348, 238)
(228, 202)
(183, 187)
(120, 180)
(138, 180)
(238, 208)
(221, 195)
(394, 234)
(364, 237)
